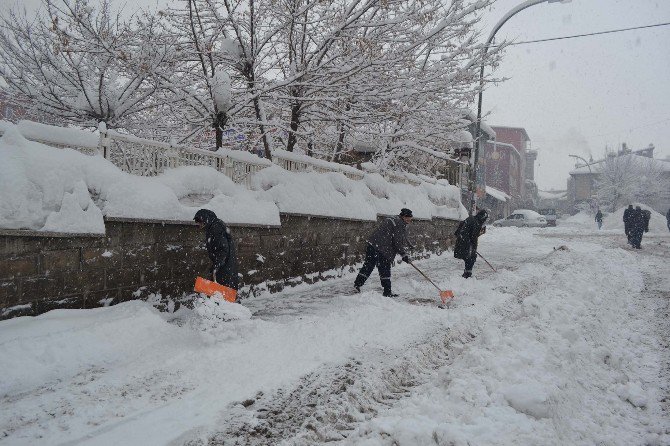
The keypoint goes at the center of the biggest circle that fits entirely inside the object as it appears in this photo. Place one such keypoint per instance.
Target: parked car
(523, 218)
(550, 215)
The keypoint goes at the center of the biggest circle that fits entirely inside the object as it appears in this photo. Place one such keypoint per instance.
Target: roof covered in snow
(497, 194)
(552, 194)
(595, 166)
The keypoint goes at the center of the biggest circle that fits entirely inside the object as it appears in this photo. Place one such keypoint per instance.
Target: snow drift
(49, 189)
(62, 190)
(657, 223)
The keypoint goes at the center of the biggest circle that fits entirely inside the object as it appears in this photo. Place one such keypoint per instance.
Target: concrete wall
(43, 271)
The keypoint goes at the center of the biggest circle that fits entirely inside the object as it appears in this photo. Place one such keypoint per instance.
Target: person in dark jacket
(599, 219)
(383, 244)
(220, 248)
(667, 218)
(637, 225)
(467, 237)
(627, 213)
(647, 218)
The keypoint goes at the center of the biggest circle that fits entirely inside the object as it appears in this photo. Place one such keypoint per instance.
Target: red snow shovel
(209, 288)
(444, 295)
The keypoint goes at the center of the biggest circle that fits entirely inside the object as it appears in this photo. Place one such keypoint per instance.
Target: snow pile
(210, 312)
(49, 189)
(335, 195)
(54, 134)
(310, 193)
(657, 223)
(581, 220)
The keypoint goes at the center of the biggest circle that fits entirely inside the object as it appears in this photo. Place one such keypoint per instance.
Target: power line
(585, 35)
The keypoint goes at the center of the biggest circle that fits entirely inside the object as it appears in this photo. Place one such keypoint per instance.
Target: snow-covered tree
(622, 179)
(395, 73)
(79, 61)
(224, 51)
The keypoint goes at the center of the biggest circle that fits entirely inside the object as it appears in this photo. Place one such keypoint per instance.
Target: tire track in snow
(328, 404)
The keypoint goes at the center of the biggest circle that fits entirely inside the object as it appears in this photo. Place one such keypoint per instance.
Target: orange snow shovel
(444, 295)
(208, 287)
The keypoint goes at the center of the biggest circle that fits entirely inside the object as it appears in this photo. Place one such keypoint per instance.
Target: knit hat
(404, 212)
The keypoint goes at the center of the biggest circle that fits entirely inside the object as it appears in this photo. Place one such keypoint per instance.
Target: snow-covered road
(560, 346)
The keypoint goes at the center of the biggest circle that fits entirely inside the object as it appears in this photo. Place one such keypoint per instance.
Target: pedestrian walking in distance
(637, 226)
(382, 246)
(467, 237)
(647, 219)
(627, 214)
(599, 219)
(220, 248)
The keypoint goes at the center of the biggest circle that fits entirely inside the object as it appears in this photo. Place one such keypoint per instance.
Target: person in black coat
(467, 237)
(647, 219)
(599, 219)
(383, 244)
(627, 213)
(220, 248)
(637, 226)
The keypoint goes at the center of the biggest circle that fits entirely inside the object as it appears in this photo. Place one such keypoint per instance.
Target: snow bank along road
(561, 346)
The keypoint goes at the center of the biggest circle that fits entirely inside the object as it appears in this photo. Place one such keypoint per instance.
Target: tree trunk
(260, 116)
(295, 123)
(219, 124)
(340, 143)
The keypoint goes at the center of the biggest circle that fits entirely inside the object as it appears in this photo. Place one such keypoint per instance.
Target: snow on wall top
(296, 157)
(58, 135)
(62, 190)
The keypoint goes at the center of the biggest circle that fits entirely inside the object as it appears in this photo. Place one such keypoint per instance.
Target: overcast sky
(577, 96)
(574, 96)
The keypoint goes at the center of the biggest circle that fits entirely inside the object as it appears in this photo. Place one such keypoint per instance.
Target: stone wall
(43, 271)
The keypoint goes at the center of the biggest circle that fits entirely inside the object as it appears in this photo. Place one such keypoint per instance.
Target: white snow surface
(332, 194)
(61, 190)
(612, 222)
(55, 134)
(657, 223)
(554, 349)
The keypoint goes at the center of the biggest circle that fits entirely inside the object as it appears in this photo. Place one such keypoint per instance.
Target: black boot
(389, 293)
(467, 274)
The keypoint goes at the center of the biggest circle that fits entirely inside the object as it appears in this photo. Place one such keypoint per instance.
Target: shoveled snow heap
(62, 190)
(657, 223)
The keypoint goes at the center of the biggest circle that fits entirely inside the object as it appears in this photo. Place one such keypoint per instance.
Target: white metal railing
(149, 158)
(146, 157)
(302, 163)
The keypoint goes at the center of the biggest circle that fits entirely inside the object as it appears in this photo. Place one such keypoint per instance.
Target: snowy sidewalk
(555, 348)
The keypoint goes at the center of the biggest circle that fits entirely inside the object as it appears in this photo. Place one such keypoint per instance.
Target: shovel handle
(487, 262)
(425, 276)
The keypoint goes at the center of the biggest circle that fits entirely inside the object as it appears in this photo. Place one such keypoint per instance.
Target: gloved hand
(405, 259)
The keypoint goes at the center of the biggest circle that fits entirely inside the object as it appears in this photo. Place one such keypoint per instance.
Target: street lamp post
(501, 22)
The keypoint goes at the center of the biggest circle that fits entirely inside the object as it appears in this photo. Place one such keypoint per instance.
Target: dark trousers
(627, 231)
(469, 263)
(636, 238)
(375, 258)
